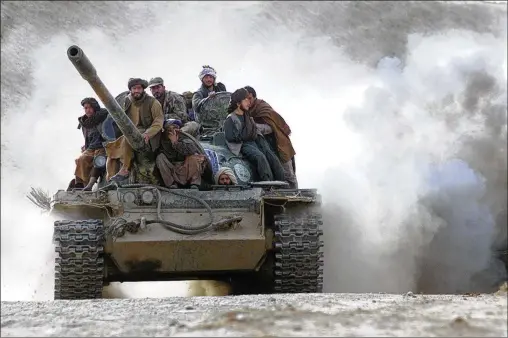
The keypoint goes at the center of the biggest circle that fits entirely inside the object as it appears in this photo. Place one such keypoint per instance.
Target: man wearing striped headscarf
(209, 87)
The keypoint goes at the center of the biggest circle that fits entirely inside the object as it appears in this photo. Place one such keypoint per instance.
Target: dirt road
(275, 315)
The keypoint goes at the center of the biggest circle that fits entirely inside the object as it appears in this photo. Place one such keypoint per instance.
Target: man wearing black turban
(146, 114)
(242, 137)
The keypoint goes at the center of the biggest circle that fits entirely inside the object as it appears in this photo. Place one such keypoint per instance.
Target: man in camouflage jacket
(173, 105)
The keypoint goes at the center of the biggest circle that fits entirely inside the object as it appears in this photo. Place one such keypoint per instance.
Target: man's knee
(84, 158)
(258, 157)
(196, 160)
(250, 151)
(160, 160)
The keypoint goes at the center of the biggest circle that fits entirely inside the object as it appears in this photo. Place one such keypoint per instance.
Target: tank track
(298, 266)
(79, 267)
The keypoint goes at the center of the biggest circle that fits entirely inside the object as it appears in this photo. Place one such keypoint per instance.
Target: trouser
(267, 163)
(289, 174)
(187, 172)
(120, 149)
(289, 167)
(84, 165)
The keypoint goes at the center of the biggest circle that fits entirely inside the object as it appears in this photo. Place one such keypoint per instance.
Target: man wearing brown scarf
(90, 123)
(271, 124)
(242, 137)
(146, 114)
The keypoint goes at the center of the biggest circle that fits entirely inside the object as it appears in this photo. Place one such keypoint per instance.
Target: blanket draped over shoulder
(262, 112)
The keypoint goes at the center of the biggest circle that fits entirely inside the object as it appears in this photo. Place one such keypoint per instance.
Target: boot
(72, 184)
(75, 184)
(90, 184)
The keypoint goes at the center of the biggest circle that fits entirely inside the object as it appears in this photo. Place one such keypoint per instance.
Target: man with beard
(90, 123)
(173, 105)
(145, 113)
(225, 176)
(208, 88)
(276, 130)
(242, 137)
(179, 160)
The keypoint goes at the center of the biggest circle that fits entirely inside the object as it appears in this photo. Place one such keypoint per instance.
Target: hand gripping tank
(261, 238)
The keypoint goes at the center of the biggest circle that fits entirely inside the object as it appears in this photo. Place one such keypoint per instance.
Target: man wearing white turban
(225, 176)
(209, 87)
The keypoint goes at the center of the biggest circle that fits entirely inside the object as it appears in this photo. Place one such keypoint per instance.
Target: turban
(207, 70)
(137, 81)
(227, 171)
(175, 122)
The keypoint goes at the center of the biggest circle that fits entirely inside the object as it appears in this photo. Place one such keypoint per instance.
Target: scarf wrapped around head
(137, 81)
(207, 70)
(227, 171)
(170, 122)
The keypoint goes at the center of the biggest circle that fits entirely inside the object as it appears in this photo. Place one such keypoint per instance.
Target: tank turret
(88, 72)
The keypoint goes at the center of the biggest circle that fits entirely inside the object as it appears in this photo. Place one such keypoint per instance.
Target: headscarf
(207, 70)
(175, 122)
(227, 171)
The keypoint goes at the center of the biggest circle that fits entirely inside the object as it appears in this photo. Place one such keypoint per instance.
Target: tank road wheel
(79, 267)
(298, 266)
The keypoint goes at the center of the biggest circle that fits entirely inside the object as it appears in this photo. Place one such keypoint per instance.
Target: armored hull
(259, 240)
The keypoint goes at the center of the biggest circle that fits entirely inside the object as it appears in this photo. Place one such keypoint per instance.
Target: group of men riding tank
(169, 123)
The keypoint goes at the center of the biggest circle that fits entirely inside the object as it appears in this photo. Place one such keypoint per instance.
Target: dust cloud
(398, 113)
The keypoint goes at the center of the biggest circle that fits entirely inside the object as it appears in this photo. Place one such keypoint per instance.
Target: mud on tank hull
(116, 236)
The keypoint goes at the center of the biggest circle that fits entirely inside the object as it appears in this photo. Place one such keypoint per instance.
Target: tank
(260, 237)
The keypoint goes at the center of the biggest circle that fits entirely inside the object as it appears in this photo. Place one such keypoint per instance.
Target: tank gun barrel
(88, 72)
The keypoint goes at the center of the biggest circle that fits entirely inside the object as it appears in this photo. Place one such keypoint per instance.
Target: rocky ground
(269, 315)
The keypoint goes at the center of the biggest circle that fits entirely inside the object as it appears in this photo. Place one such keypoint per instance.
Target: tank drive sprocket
(79, 265)
(298, 266)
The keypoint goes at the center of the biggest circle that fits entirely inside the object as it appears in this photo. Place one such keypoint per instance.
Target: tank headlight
(242, 172)
(99, 161)
(147, 197)
(129, 197)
